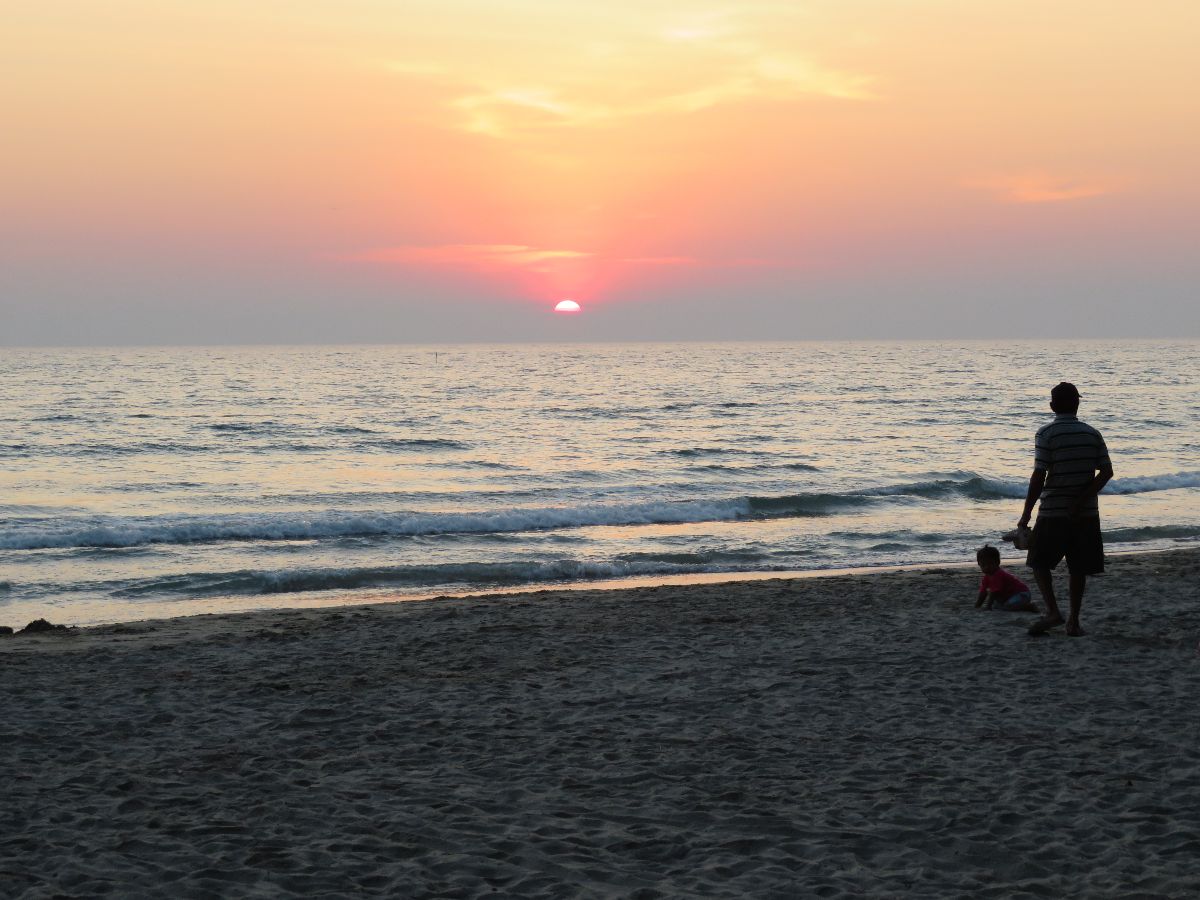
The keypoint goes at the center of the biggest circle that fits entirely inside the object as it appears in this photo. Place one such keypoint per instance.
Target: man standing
(1070, 467)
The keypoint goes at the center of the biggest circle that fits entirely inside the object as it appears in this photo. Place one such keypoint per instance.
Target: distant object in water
(568, 306)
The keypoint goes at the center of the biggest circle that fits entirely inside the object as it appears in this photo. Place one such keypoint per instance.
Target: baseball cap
(1064, 390)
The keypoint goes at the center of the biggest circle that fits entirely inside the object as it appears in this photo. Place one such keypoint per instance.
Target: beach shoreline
(829, 736)
(20, 614)
(331, 474)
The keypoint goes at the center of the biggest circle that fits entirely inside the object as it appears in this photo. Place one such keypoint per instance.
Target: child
(999, 586)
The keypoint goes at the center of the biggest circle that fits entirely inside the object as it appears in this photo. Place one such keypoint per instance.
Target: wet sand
(816, 737)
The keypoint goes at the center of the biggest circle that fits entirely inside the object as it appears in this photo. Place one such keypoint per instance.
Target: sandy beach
(870, 734)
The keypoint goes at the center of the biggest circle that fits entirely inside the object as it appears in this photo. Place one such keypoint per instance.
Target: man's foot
(1044, 624)
(1074, 630)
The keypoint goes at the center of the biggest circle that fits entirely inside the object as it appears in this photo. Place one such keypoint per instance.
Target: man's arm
(1099, 480)
(1037, 481)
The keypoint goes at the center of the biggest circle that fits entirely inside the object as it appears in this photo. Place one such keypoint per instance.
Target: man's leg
(1052, 616)
(1047, 552)
(1086, 556)
(1078, 585)
(1045, 583)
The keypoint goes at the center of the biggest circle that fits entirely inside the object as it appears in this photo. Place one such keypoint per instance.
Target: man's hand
(1101, 478)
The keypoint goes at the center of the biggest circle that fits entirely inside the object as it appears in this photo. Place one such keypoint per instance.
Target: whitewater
(170, 481)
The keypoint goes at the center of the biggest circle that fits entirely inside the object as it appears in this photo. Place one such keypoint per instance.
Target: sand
(824, 737)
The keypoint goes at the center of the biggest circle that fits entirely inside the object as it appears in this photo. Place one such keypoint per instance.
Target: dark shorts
(1077, 539)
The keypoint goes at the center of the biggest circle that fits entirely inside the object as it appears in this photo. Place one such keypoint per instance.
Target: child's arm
(983, 592)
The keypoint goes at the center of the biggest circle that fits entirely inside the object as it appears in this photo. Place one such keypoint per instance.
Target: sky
(291, 171)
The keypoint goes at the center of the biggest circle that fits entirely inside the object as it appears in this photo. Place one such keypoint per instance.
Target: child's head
(988, 558)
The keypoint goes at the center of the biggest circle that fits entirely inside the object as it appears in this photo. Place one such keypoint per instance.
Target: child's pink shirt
(1003, 584)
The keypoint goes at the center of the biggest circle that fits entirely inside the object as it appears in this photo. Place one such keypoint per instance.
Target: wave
(244, 427)
(973, 487)
(416, 444)
(254, 435)
(981, 488)
(444, 576)
(103, 449)
(130, 532)
(991, 488)
(701, 559)
(1146, 483)
(75, 531)
(702, 451)
(490, 464)
(1145, 533)
(753, 469)
(909, 537)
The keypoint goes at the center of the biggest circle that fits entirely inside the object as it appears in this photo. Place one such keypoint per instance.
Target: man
(1070, 467)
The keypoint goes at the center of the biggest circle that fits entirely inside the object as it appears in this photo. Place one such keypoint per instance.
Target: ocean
(147, 482)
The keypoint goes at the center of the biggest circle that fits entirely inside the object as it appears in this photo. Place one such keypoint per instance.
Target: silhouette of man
(1070, 467)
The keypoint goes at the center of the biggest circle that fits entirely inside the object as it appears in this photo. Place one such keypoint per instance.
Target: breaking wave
(1138, 535)
(288, 581)
(1145, 483)
(73, 531)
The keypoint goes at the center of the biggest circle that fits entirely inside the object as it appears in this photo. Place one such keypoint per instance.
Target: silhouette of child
(999, 586)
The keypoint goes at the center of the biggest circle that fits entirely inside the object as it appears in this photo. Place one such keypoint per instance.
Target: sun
(568, 306)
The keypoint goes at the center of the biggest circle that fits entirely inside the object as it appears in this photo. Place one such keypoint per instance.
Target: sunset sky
(174, 171)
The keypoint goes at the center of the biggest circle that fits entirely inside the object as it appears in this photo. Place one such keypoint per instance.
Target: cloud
(701, 28)
(509, 112)
(502, 255)
(658, 260)
(498, 113)
(683, 67)
(418, 68)
(804, 76)
(712, 262)
(523, 256)
(1041, 188)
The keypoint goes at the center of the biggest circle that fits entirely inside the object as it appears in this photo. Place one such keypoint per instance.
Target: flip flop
(1041, 626)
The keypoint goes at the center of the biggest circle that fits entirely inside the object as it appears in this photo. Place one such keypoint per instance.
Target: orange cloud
(516, 255)
(520, 256)
(510, 111)
(645, 69)
(659, 260)
(1040, 188)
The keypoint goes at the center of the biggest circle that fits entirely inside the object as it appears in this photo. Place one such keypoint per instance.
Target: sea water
(170, 481)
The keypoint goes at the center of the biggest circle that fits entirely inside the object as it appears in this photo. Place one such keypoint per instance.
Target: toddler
(1000, 587)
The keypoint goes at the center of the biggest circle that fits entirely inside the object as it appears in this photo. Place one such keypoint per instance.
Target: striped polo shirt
(1069, 452)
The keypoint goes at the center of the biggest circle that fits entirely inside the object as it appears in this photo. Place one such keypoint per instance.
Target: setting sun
(567, 306)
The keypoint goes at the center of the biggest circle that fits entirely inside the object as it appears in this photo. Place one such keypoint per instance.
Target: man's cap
(1064, 390)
